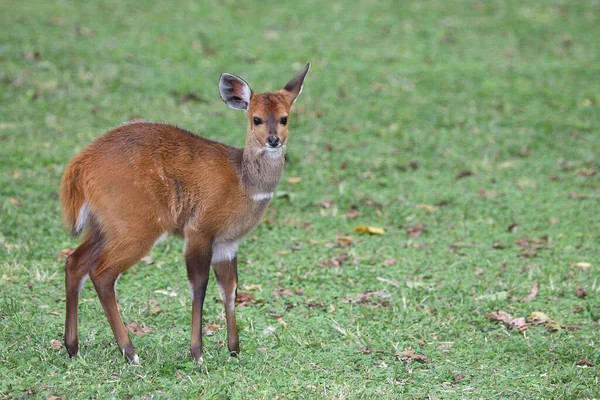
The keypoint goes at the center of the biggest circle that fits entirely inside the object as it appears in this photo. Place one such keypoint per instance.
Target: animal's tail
(74, 205)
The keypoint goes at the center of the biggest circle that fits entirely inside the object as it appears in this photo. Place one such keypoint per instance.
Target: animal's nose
(273, 141)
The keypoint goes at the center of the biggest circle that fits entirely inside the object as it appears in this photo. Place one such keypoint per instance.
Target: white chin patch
(274, 152)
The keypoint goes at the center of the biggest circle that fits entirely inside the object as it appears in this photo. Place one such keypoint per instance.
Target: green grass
(508, 91)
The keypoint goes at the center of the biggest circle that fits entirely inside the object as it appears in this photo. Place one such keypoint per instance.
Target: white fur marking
(162, 237)
(224, 251)
(136, 359)
(116, 280)
(275, 152)
(82, 282)
(82, 217)
(262, 196)
(191, 289)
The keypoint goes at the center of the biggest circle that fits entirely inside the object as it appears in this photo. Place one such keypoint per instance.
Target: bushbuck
(143, 181)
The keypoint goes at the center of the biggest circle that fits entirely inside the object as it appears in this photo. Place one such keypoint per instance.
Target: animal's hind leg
(122, 255)
(77, 268)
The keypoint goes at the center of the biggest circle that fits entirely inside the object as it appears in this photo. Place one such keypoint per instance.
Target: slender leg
(121, 256)
(77, 268)
(198, 255)
(226, 273)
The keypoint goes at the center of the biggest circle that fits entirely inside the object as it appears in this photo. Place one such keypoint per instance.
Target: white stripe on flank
(82, 217)
(262, 196)
(224, 251)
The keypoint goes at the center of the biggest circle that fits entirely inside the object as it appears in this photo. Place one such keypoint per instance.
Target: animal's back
(145, 175)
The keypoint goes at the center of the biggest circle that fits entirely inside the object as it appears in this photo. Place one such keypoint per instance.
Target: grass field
(446, 123)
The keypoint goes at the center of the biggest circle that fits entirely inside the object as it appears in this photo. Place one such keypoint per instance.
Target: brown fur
(144, 179)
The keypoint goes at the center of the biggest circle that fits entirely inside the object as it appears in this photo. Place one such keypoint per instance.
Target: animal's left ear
(234, 91)
(294, 86)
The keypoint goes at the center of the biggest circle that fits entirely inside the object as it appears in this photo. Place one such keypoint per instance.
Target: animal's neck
(261, 169)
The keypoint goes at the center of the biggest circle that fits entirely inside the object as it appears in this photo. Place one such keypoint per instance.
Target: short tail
(72, 199)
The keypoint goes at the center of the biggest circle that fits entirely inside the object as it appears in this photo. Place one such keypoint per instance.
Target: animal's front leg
(198, 256)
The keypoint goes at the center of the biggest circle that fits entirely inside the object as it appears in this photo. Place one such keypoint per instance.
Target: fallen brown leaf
(148, 260)
(54, 313)
(508, 320)
(136, 329)
(459, 377)
(344, 241)
(585, 362)
(498, 245)
(415, 230)
(527, 254)
(389, 261)
(409, 355)
(14, 202)
(513, 227)
(479, 271)
(464, 174)
(577, 310)
(352, 212)
(243, 299)
(210, 328)
(532, 293)
(155, 310)
(583, 266)
(581, 292)
(56, 344)
(293, 179)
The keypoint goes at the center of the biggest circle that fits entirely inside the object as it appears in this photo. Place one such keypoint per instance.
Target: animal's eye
(283, 120)
(257, 121)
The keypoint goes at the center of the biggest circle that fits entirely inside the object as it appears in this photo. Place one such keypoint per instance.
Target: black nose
(273, 141)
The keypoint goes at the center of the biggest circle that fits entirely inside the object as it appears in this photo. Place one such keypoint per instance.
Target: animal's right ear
(234, 91)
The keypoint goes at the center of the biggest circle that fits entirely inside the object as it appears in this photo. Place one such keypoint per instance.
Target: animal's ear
(294, 86)
(234, 91)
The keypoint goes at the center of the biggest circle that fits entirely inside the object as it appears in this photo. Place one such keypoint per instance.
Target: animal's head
(267, 113)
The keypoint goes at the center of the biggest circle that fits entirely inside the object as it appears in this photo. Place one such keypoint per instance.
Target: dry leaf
(577, 310)
(584, 363)
(14, 202)
(352, 213)
(331, 308)
(584, 266)
(479, 271)
(464, 174)
(254, 286)
(581, 292)
(64, 253)
(344, 241)
(389, 261)
(369, 229)
(459, 377)
(282, 322)
(56, 344)
(293, 179)
(178, 375)
(498, 245)
(511, 322)
(427, 207)
(136, 329)
(147, 259)
(210, 328)
(532, 293)
(54, 313)
(409, 355)
(243, 299)
(513, 227)
(155, 310)
(415, 230)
